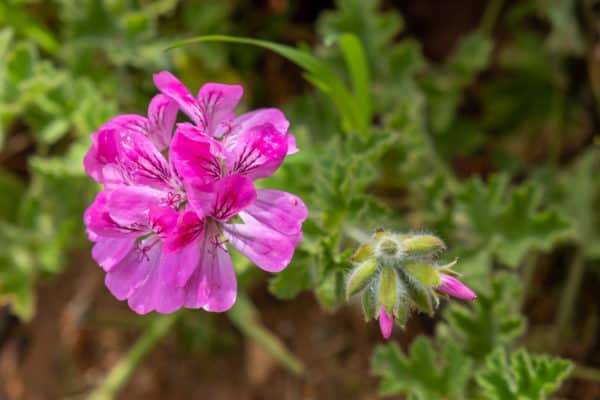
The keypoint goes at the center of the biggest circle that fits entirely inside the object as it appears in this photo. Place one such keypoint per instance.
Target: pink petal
(129, 157)
(292, 148)
(156, 295)
(218, 102)
(99, 223)
(108, 252)
(455, 288)
(224, 198)
(188, 228)
(258, 152)
(133, 270)
(98, 156)
(130, 205)
(129, 122)
(268, 249)
(162, 113)
(281, 211)
(170, 86)
(386, 323)
(213, 285)
(249, 120)
(177, 267)
(195, 156)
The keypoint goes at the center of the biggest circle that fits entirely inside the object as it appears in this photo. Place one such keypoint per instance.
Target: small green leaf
(523, 376)
(424, 372)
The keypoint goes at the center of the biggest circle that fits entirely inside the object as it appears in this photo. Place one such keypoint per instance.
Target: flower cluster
(397, 274)
(176, 193)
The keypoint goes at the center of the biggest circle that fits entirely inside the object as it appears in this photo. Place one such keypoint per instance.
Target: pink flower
(160, 226)
(455, 288)
(386, 323)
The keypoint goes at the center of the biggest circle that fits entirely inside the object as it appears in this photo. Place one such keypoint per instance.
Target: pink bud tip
(386, 323)
(455, 288)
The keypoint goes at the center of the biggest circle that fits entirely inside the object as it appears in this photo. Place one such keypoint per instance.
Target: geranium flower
(160, 226)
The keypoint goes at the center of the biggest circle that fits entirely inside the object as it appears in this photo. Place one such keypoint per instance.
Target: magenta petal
(170, 86)
(156, 295)
(131, 273)
(386, 323)
(130, 205)
(176, 268)
(213, 285)
(129, 122)
(281, 211)
(218, 102)
(268, 249)
(195, 156)
(259, 152)
(99, 223)
(108, 252)
(292, 148)
(162, 113)
(224, 198)
(455, 288)
(188, 228)
(249, 120)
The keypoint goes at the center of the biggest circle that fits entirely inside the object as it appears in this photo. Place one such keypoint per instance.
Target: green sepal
(425, 274)
(420, 296)
(369, 304)
(363, 253)
(422, 245)
(360, 277)
(388, 288)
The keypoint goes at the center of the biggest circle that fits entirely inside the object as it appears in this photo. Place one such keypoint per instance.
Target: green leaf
(425, 373)
(292, 280)
(523, 376)
(509, 222)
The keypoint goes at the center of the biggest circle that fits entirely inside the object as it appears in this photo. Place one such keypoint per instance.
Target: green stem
(586, 373)
(490, 16)
(528, 272)
(120, 373)
(569, 296)
(245, 318)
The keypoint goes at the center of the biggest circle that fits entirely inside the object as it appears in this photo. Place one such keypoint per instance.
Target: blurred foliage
(491, 149)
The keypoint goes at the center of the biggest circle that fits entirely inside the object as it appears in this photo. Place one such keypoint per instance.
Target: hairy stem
(245, 318)
(490, 16)
(569, 297)
(120, 373)
(586, 373)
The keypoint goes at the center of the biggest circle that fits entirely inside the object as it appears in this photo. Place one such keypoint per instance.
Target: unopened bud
(422, 245)
(360, 277)
(388, 288)
(425, 274)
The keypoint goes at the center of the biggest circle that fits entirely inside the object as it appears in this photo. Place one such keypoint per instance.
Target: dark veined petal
(267, 248)
(258, 153)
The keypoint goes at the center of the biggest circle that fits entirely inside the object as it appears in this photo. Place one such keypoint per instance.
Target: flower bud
(386, 323)
(360, 277)
(422, 245)
(425, 274)
(388, 288)
(455, 288)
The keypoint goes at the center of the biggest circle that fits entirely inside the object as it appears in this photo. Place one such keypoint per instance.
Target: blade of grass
(358, 67)
(317, 73)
